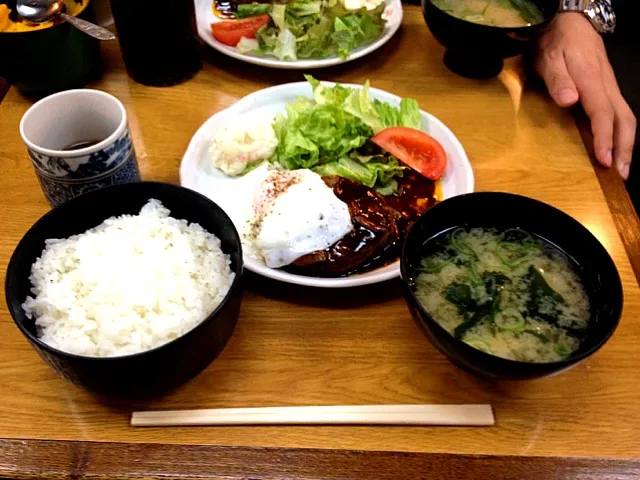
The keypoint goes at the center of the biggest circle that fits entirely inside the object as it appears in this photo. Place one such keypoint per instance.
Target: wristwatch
(599, 12)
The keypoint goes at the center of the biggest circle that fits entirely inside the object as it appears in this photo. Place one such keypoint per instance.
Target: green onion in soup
(506, 293)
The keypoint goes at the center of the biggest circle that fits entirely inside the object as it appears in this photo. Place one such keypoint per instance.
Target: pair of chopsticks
(448, 415)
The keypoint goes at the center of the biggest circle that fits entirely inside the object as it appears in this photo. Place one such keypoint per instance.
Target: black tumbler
(158, 40)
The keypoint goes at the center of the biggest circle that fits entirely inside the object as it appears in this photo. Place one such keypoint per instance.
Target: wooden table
(297, 346)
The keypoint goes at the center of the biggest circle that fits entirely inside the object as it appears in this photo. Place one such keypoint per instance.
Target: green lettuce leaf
(247, 45)
(374, 113)
(324, 94)
(373, 174)
(330, 134)
(355, 29)
(277, 13)
(321, 27)
(246, 10)
(316, 43)
(359, 104)
(314, 134)
(267, 38)
(408, 115)
(286, 46)
(303, 9)
(390, 188)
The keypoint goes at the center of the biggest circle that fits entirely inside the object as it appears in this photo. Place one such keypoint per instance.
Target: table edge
(51, 459)
(4, 88)
(621, 207)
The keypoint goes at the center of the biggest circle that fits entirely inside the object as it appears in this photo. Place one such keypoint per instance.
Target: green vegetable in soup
(473, 310)
(528, 305)
(460, 295)
(460, 245)
(538, 335)
(483, 312)
(544, 301)
(510, 320)
(562, 350)
(515, 248)
(434, 264)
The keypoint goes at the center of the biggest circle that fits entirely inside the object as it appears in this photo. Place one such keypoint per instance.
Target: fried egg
(296, 213)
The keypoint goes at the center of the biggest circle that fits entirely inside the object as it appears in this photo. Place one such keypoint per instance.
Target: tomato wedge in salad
(414, 148)
(230, 32)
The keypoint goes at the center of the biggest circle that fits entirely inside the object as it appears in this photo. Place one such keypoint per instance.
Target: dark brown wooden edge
(4, 88)
(52, 460)
(620, 204)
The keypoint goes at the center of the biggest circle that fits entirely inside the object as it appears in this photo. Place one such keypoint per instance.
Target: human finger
(552, 68)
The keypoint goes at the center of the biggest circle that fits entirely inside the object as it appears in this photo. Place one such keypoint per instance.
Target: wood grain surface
(101, 461)
(300, 346)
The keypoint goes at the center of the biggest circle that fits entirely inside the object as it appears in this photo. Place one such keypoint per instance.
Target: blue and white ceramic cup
(78, 140)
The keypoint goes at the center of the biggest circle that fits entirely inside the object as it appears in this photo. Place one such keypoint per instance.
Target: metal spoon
(40, 11)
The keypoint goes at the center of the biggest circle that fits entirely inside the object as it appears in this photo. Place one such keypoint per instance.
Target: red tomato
(230, 32)
(414, 148)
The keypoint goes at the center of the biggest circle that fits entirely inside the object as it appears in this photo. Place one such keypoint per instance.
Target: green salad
(330, 134)
(305, 29)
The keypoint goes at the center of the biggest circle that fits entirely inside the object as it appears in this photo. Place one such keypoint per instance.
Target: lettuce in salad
(304, 29)
(374, 113)
(246, 10)
(330, 134)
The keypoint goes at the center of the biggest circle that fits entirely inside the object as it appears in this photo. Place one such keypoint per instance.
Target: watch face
(601, 15)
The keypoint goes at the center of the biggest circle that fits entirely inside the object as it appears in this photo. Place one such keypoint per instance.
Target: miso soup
(496, 13)
(507, 293)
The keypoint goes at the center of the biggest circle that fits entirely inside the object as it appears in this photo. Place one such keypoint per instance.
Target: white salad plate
(205, 17)
(197, 174)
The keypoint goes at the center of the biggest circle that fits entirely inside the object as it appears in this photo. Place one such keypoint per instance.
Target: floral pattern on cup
(63, 178)
(85, 166)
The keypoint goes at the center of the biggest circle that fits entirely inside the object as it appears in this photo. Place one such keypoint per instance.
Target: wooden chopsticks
(448, 415)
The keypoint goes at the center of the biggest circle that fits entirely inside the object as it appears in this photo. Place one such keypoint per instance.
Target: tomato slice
(415, 149)
(231, 31)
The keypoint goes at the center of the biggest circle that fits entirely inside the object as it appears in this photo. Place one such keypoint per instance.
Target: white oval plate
(205, 17)
(263, 105)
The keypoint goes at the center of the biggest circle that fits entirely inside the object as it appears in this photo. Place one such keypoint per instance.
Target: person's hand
(573, 62)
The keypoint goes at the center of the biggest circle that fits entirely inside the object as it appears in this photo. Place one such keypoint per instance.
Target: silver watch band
(574, 5)
(599, 12)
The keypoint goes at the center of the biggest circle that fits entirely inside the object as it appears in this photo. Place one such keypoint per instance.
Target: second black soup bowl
(153, 371)
(503, 211)
(476, 51)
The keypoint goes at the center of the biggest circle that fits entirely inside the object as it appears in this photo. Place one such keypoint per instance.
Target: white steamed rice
(128, 285)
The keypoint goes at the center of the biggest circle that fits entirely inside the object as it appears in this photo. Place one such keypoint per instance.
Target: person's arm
(573, 62)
